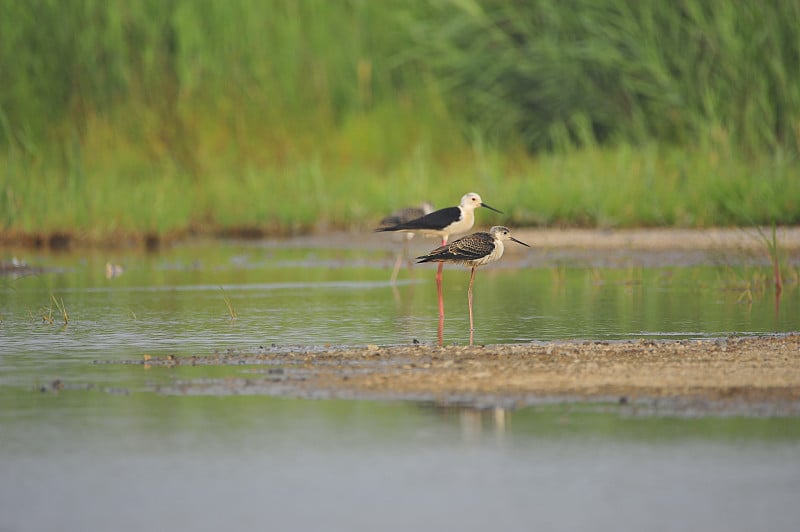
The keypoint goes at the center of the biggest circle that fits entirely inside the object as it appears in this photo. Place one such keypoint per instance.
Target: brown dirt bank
(721, 238)
(725, 238)
(733, 239)
(749, 375)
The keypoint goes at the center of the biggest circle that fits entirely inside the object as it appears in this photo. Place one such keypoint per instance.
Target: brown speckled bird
(473, 250)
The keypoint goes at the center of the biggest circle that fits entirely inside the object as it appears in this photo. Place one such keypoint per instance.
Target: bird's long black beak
(491, 208)
(518, 241)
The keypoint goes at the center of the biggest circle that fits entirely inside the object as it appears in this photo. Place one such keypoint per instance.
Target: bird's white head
(472, 201)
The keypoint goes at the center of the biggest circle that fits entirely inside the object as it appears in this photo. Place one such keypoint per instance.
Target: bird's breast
(463, 224)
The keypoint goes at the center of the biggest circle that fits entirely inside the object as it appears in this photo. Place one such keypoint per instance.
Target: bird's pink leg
(440, 298)
(469, 299)
(441, 303)
(439, 289)
(396, 269)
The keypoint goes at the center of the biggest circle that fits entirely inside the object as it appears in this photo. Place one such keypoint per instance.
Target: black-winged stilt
(472, 250)
(399, 217)
(445, 222)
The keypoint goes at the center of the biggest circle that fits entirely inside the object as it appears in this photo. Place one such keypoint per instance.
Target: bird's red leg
(440, 298)
(439, 289)
(469, 299)
(441, 329)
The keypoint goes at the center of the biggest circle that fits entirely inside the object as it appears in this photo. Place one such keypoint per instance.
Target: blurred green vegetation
(584, 71)
(287, 116)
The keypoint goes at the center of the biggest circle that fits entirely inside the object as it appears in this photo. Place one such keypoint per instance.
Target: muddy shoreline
(654, 238)
(754, 375)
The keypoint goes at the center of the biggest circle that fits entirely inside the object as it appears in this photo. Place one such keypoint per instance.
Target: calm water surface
(175, 301)
(105, 451)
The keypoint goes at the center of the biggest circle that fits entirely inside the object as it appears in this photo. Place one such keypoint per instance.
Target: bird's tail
(437, 255)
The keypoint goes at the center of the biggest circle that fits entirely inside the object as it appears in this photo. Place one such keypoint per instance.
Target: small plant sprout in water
(746, 297)
(231, 310)
(773, 249)
(47, 314)
(61, 308)
(794, 275)
(559, 272)
(749, 284)
(774, 254)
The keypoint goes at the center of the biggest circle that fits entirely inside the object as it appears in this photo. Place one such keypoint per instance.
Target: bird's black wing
(434, 221)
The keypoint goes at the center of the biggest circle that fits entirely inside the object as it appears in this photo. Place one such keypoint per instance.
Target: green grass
(169, 117)
(231, 310)
(618, 186)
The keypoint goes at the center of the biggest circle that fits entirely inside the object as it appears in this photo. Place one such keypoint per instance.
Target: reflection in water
(474, 424)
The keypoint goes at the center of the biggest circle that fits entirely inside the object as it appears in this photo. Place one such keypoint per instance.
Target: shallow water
(175, 301)
(95, 446)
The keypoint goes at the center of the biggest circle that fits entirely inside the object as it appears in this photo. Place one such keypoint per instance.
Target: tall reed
(157, 116)
(589, 71)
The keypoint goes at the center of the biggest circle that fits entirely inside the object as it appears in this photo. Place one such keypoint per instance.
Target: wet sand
(734, 375)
